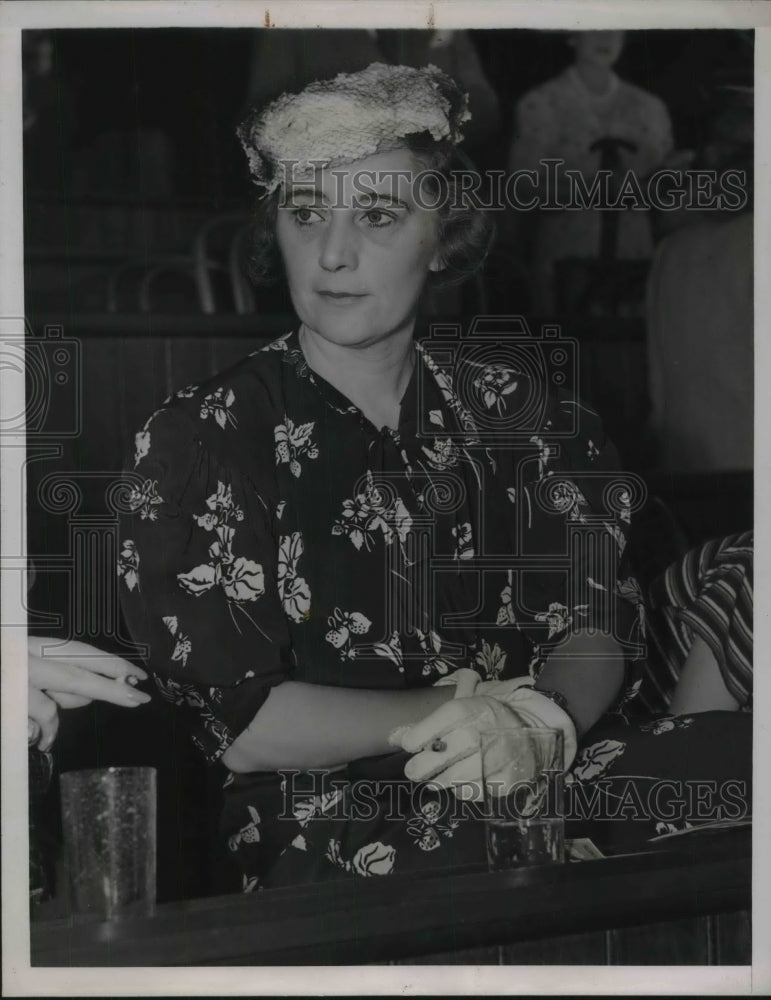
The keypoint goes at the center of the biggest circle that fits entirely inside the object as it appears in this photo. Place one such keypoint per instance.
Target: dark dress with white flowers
(274, 533)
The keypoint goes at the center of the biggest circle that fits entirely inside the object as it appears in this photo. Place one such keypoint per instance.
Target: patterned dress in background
(665, 774)
(272, 532)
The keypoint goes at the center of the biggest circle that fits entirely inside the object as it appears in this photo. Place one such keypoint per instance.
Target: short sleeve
(708, 593)
(533, 133)
(198, 580)
(649, 127)
(658, 128)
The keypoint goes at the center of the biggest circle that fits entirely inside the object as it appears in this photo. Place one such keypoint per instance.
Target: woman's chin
(347, 331)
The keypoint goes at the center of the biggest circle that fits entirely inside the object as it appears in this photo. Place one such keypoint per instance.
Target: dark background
(191, 85)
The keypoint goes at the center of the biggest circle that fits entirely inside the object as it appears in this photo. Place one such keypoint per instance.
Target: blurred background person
(700, 319)
(568, 117)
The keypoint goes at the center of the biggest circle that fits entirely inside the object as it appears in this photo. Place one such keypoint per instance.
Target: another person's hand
(72, 679)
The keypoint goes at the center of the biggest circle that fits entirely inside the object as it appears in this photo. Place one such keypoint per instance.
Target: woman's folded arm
(588, 670)
(311, 725)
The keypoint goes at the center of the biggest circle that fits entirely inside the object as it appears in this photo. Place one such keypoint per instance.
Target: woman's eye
(377, 218)
(304, 216)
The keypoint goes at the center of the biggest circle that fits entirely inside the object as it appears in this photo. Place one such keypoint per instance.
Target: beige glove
(446, 744)
(533, 706)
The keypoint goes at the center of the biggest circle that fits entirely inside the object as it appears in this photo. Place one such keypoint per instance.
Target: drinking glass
(522, 773)
(109, 825)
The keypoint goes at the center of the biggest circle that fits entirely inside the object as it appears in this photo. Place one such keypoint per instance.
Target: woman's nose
(338, 245)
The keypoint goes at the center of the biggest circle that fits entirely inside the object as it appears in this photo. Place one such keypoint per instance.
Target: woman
(700, 285)
(567, 118)
(305, 557)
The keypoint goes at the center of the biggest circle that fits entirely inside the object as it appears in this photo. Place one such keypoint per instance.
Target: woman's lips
(342, 298)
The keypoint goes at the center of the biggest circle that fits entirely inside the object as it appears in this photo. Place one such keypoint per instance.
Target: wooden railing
(688, 905)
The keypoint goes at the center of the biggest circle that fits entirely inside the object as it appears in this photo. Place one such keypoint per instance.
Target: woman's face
(598, 48)
(357, 248)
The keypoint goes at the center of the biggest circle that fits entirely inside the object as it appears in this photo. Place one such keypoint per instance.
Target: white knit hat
(350, 117)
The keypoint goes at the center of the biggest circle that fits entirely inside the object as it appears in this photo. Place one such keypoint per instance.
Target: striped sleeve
(708, 593)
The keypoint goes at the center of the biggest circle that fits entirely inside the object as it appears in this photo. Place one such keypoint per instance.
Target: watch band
(558, 698)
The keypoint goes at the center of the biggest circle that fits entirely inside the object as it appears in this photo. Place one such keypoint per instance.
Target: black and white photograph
(378, 437)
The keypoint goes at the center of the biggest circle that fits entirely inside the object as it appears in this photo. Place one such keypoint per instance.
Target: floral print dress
(272, 532)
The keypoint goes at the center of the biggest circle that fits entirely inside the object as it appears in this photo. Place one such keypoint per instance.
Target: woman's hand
(72, 679)
(446, 744)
